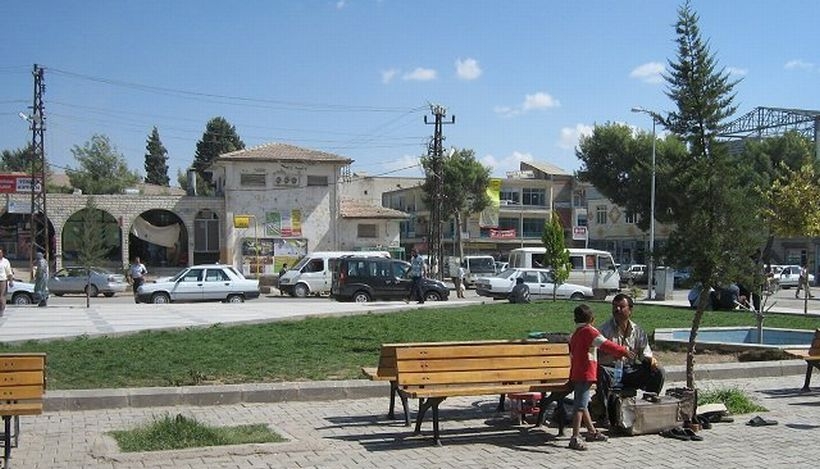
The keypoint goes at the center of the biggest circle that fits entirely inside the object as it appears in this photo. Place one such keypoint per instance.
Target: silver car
(212, 282)
(94, 281)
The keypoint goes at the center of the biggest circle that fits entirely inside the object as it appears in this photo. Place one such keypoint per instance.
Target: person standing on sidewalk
(6, 280)
(40, 269)
(460, 284)
(137, 273)
(418, 269)
(803, 281)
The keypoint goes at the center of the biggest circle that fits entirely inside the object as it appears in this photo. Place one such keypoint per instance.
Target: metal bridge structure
(762, 122)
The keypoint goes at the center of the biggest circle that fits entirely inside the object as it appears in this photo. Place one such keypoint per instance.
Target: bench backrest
(387, 357)
(22, 383)
(518, 362)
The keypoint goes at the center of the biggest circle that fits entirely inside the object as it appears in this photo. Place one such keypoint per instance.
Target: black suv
(363, 279)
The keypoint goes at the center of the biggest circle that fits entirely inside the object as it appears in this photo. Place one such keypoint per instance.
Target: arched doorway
(92, 228)
(159, 238)
(15, 238)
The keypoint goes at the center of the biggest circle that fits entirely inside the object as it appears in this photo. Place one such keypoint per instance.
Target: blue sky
(356, 77)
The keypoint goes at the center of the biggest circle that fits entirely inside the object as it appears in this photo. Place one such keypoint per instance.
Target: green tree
(219, 137)
(93, 242)
(103, 170)
(716, 230)
(18, 160)
(156, 160)
(556, 255)
(465, 182)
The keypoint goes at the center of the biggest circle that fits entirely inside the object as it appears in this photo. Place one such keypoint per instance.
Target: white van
(313, 275)
(476, 267)
(590, 267)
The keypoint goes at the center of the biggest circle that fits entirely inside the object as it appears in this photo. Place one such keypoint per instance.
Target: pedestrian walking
(282, 274)
(462, 274)
(803, 281)
(418, 270)
(136, 272)
(6, 280)
(40, 269)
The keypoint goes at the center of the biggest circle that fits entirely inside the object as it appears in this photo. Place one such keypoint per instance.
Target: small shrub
(184, 432)
(735, 400)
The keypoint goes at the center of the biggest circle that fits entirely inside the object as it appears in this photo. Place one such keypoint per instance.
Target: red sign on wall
(11, 183)
(502, 234)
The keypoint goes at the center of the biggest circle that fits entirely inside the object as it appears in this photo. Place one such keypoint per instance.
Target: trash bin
(664, 283)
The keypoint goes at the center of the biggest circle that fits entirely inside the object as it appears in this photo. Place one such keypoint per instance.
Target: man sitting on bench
(641, 373)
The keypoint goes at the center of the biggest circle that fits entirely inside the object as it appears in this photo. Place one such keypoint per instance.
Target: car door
(217, 284)
(397, 283)
(547, 285)
(533, 280)
(190, 286)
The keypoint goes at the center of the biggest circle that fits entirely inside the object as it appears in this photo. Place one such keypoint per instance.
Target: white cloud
(569, 137)
(511, 162)
(539, 100)
(468, 69)
(340, 4)
(388, 75)
(738, 72)
(798, 64)
(651, 73)
(421, 74)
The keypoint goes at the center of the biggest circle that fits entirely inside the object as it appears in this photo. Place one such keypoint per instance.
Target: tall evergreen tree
(219, 137)
(715, 232)
(156, 160)
(556, 255)
(94, 242)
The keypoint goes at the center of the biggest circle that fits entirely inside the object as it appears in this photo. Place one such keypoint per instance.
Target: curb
(98, 399)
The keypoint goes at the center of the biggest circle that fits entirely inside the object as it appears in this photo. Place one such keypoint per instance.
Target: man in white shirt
(6, 280)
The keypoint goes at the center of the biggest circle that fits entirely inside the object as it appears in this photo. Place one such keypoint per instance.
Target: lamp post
(651, 265)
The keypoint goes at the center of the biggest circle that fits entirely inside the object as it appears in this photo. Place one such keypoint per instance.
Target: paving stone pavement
(355, 433)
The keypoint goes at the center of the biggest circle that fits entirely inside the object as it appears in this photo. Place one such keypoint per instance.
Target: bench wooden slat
(379, 374)
(495, 363)
(465, 342)
(13, 393)
(481, 376)
(20, 378)
(22, 408)
(454, 391)
(478, 351)
(19, 362)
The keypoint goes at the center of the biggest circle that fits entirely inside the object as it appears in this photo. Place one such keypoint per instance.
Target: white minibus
(476, 267)
(313, 275)
(590, 267)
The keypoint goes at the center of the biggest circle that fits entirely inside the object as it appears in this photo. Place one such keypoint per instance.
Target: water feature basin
(738, 338)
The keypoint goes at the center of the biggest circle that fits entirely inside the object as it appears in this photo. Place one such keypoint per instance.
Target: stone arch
(206, 237)
(15, 237)
(72, 238)
(159, 237)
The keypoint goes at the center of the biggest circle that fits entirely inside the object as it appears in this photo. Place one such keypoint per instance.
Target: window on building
(600, 214)
(252, 180)
(581, 220)
(506, 223)
(630, 217)
(531, 196)
(511, 196)
(367, 231)
(533, 227)
(316, 180)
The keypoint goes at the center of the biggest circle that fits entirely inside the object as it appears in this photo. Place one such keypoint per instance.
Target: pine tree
(156, 160)
(556, 255)
(220, 137)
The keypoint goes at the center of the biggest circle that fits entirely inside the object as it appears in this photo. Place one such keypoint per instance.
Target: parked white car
(20, 293)
(212, 282)
(790, 276)
(539, 281)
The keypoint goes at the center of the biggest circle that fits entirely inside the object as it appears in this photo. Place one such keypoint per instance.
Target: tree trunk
(703, 301)
(458, 237)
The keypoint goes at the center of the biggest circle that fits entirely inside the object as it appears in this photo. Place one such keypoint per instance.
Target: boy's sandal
(597, 436)
(576, 444)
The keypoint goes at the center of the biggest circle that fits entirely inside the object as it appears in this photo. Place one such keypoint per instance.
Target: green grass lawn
(323, 348)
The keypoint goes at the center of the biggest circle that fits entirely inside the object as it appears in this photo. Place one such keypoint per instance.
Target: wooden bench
(22, 387)
(812, 357)
(386, 369)
(434, 373)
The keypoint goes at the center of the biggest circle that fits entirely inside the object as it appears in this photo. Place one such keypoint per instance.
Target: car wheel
(108, 294)
(92, 290)
(236, 299)
(160, 298)
(432, 296)
(22, 299)
(361, 297)
(577, 296)
(301, 290)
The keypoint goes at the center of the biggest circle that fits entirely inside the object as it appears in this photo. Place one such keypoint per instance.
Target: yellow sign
(241, 221)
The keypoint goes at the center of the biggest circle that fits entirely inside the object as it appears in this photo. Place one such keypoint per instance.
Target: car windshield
(482, 264)
(507, 273)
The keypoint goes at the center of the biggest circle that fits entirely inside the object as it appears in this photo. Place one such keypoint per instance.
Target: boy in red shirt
(583, 349)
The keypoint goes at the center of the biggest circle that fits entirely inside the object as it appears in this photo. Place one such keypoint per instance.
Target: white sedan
(790, 276)
(539, 281)
(212, 282)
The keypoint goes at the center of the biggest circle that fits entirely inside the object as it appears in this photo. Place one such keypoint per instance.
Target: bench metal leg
(809, 367)
(6, 441)
(501, 402)
(394, 389)
(424, 405)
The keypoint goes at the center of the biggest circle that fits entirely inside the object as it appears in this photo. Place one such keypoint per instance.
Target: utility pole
(435, 150)
(39, 220)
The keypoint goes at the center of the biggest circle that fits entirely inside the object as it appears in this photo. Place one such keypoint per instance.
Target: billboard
(11, 183)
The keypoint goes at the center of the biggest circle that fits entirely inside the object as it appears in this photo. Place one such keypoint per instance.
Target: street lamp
(650, 275)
